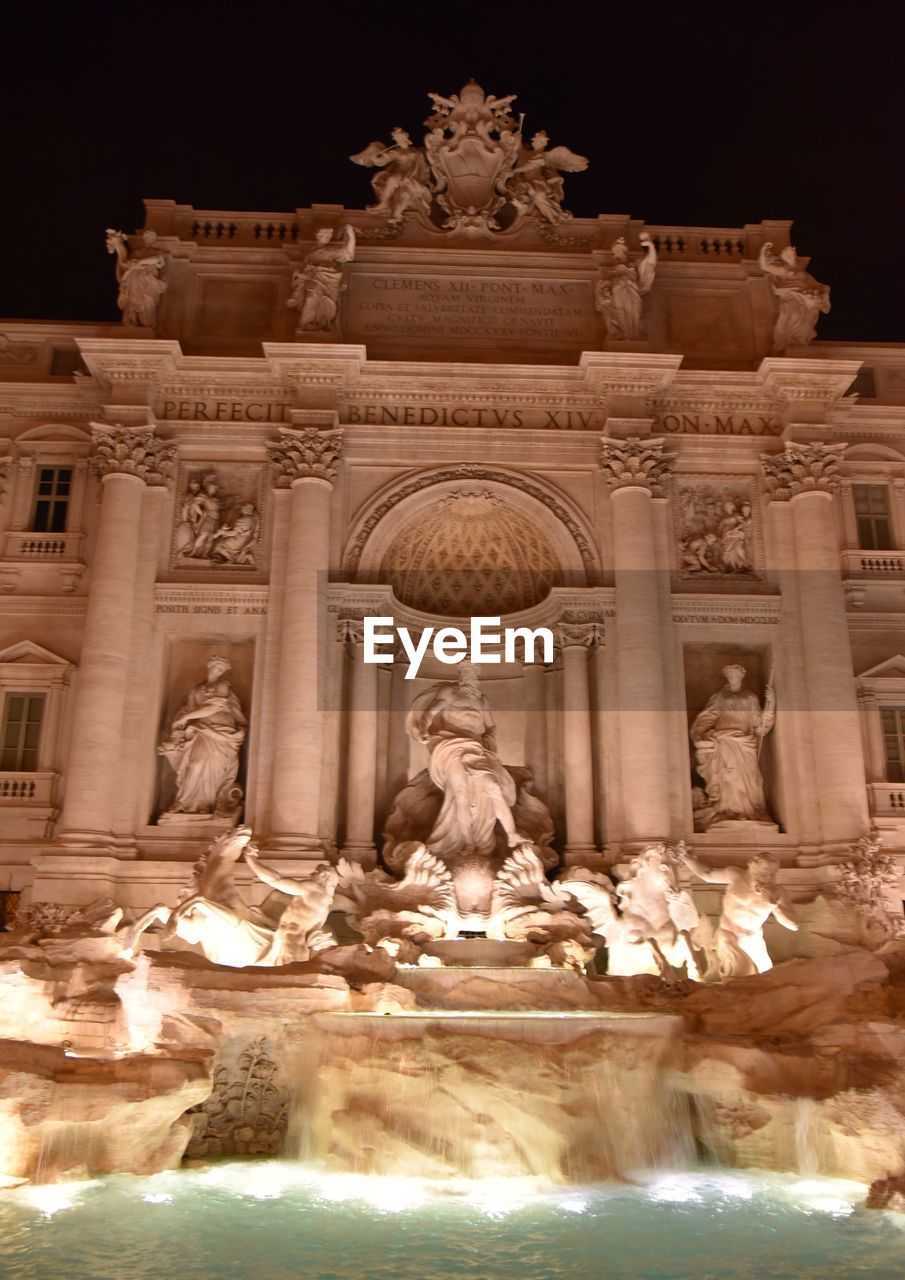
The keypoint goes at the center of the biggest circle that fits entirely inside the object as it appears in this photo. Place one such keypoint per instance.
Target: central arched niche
(470, 552)
(462, 540)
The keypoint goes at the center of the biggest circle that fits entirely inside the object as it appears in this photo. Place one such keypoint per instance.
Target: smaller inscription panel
(438, 308)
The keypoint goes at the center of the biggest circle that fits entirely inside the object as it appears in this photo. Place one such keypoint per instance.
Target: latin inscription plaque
(440, 308)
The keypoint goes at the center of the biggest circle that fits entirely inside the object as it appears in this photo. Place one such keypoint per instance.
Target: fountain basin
(271, 1219)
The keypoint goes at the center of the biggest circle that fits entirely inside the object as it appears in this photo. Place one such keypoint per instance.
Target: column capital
(636, 464)
(131, 451)
(305, 454)
(584, 635)
(351, 630)
(802, 468)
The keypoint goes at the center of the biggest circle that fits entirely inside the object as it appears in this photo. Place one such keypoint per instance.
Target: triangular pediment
(890, 669)
(27, 652)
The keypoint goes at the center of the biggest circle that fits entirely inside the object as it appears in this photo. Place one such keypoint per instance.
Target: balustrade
(887, 797)
(701, 242)
(26, 788)
(42, 546)
(874, 563)
(256, 229)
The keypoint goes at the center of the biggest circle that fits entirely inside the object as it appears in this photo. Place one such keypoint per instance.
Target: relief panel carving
(716, 535)
(247, 1112)
(218, 521)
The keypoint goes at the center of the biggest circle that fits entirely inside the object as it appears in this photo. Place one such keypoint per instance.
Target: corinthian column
(361, 770)
(305, 462)
(636, 471)
(807, 476)
(577, 640)
(126, 459)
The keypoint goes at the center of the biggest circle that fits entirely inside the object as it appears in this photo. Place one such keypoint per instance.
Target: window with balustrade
(20, 737)
(872, 516)
(52, 494)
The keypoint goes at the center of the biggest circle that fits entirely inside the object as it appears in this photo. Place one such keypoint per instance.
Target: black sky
(690, 114)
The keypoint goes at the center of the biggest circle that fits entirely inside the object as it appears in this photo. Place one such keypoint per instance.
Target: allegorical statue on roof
(535, 185)
(401, 182)
(138, 274)
(801, 298)
(319, 282)
(622, 286)
(474, 165)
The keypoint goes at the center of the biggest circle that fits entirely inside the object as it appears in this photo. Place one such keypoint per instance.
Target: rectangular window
(21, 734)
(52, 499)
(872, 515)
(893, 721)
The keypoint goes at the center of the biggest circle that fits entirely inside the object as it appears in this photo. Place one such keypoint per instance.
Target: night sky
(690, 115)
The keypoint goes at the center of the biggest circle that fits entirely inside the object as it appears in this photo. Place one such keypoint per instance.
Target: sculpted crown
(297, 455)
(131, 451)
(635, 463)
(802, 468)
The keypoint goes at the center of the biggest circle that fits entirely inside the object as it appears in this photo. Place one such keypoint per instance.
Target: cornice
(42, 606)
(793, 381)
(891, 621)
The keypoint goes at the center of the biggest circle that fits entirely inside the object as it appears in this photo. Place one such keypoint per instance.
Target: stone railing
(239, 229)
(700, 243)
(26, 788)
(874, 564)
(42, 546)
(229, 227)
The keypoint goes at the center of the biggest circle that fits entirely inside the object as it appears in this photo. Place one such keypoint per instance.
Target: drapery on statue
(319, 282)
(200, 517)
(619, 291)
(752, 896)
(801, 298)
(727, 736)
(203, 748)
(535, 184)
(454, 721)
(138, 276)
(402, 182)
(235, 543)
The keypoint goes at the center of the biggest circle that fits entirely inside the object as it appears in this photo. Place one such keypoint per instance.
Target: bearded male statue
(467, 807)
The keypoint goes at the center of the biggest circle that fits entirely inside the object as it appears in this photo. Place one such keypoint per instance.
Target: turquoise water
(275, 1221)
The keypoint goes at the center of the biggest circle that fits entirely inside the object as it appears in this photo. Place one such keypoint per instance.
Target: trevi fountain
(582, 954)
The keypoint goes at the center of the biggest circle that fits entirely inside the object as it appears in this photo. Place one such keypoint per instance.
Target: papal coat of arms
(474, 169)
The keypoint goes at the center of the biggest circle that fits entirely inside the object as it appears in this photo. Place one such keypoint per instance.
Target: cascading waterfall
(567, 1096)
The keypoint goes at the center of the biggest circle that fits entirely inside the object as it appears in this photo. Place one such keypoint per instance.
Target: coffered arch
(543, 531)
